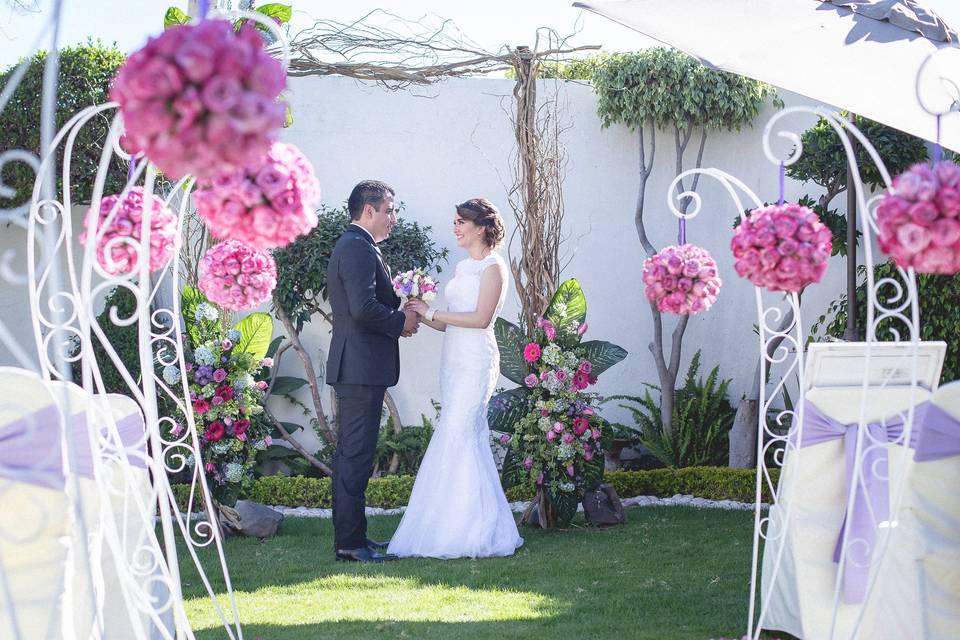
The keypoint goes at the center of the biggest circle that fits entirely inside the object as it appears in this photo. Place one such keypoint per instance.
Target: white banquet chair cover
(924, 564)
(813, 487)
(130, 518)
(34, 522)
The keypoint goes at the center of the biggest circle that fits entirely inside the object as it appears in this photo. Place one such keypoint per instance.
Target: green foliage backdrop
(86, 72)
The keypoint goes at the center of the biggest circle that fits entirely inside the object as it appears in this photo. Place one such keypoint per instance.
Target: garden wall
(441, 145)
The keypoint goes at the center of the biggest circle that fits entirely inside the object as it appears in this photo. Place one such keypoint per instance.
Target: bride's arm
(491, 284)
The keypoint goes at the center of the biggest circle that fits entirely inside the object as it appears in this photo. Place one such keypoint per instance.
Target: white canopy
(817, 49)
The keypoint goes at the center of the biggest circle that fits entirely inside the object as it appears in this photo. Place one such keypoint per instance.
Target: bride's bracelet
(430, 313)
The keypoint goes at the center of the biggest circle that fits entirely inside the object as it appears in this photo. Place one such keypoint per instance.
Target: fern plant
(702, 418)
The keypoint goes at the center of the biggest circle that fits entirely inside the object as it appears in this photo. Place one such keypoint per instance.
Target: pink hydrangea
(116, 251)
(236, 276)
(266, 204)
(919, 222)
(681, 279)
(781, 247)
(201, 97)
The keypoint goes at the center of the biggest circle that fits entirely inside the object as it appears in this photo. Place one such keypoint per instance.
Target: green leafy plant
(702, 420)
(713, 483)
(85, 73)
(824, 161)
(939, 300)
(401, 451)
(558, 436)
(123, 339)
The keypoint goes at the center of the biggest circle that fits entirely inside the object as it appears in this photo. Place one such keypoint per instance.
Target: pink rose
(531, 380)
(570, 470)
(551, 436)
(504, 439)
(528, 463)
(914, 238)
(568, 438)
(945, 232)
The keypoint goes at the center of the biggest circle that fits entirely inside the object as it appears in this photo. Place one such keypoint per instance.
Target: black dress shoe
(378, 546)
(363, 555)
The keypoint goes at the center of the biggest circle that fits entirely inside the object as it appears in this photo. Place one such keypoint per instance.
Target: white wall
(447, 143)
(444, 144)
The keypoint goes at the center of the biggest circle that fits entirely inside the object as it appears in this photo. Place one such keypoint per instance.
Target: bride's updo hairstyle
(483, 213)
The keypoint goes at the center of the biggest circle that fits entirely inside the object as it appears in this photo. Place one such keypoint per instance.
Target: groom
(364, 359)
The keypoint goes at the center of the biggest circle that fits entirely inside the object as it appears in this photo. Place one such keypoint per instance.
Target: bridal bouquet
(558, 435)
(225, 397)
(415, 284)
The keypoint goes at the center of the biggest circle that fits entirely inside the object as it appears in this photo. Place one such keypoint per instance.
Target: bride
(457, 507)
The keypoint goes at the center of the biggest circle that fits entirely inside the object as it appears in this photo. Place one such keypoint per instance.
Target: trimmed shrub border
(389, 492)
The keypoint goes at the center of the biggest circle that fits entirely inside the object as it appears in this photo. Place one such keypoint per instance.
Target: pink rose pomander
(127, 223)
(200, 97)
(681, 279)
(267, 204)
(781, 247)
(920, 221)
(236, 276)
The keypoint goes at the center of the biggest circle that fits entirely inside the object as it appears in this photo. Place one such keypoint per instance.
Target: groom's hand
(410, 324)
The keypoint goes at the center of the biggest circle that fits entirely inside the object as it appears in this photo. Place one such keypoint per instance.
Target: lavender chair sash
(872, 492)
(30, 447)
(940, 436)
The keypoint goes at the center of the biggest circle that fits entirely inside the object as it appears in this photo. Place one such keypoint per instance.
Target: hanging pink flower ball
(920, 221)
(201, 97)
(781, 247)
(266, 204)
(681, 279)
(116, 251)
(236, 276)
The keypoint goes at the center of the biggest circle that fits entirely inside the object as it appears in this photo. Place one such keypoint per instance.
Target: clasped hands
(414, 310)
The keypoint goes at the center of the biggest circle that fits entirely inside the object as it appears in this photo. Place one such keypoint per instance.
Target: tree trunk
(546, 512)
(397, 426)
(311, 372)
(746, 424)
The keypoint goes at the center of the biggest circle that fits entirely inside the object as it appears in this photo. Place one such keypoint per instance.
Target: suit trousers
(359, 411)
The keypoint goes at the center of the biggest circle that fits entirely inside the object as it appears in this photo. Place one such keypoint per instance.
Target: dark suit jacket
(366, 320)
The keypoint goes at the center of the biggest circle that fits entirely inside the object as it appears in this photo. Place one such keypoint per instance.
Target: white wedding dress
(457, 508)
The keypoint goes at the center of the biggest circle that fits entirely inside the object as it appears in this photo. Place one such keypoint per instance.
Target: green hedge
(714, 483)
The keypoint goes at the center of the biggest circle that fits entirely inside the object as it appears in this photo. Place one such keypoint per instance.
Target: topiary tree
(824, 161)
(85, 74)
(662, 89)
(301, 294)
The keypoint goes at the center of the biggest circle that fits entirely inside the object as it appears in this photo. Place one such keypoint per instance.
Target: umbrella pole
(850, 333)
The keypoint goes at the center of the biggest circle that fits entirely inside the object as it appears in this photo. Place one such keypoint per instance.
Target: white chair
(799, 575)
(34, 509)
(121, 537)
(925, 561)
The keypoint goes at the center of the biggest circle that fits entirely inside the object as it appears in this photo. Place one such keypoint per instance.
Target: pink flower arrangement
(236, 276)
(781, 247)
(681, 279)
(919, 221)
(266, 204)
(201, 97)
(116, 251)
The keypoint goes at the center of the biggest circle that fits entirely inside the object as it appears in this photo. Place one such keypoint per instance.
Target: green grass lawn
(670, 572)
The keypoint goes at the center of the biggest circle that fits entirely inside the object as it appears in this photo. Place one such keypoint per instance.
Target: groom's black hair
(370, 192)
